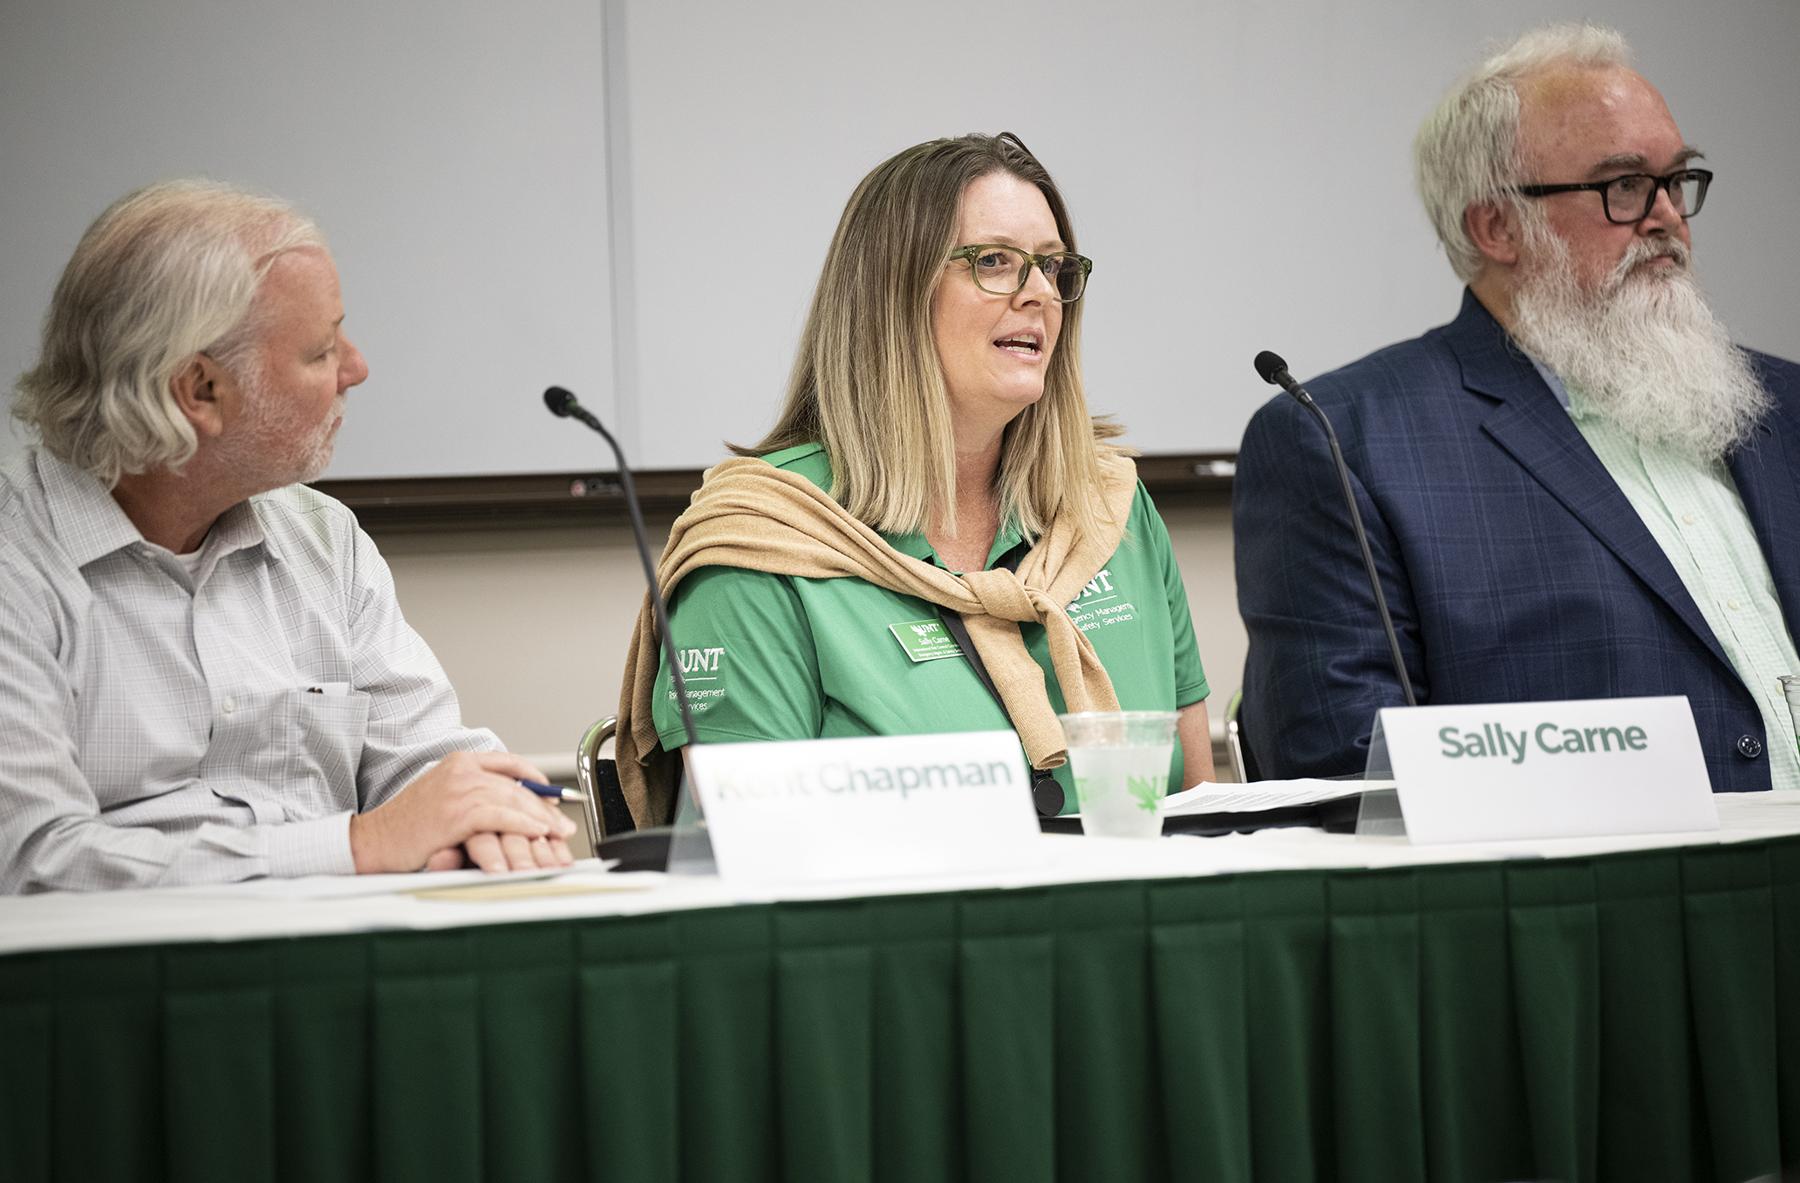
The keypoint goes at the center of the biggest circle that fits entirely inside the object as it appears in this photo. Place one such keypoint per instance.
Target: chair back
(1242, 766)
(604, 810)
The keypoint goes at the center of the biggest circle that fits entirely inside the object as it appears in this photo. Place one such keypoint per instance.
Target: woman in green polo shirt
(935, 439)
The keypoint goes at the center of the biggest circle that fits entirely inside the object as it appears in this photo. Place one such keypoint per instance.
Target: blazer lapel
(1765, 472)
(1537, 432)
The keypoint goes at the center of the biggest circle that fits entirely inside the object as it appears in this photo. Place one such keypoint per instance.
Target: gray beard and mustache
(1645, 349)
(272, 448)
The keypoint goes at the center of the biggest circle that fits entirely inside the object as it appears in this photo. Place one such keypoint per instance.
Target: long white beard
(1645, 348)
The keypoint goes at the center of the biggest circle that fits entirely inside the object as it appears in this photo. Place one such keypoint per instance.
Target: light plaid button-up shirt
(162, 728)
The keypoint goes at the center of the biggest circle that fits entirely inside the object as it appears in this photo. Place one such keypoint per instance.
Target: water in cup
(1119, 761)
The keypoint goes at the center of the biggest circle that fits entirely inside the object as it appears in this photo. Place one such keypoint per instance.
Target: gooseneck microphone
(1275, 372)
(563, 405)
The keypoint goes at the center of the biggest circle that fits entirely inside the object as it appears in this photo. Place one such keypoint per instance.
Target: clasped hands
(467, 808)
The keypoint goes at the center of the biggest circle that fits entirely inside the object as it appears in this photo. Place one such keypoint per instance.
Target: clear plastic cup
(1119, 761)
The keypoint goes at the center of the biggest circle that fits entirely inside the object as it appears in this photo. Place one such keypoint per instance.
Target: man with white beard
(1580, 488)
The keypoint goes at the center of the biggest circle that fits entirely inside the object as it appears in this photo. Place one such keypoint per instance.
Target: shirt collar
(915, 545)
(1007, 537)
(88, 522)
(1553, 382)
(912, 545)
(91, 525)
(1573, 400)
(241, 527)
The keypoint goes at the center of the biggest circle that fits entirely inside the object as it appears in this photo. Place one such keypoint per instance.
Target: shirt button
(1749, 747)
(229, 705)
(1732, 604)
(1687, 519)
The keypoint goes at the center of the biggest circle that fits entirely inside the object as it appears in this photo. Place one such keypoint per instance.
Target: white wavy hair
(166, 272)
(1467, 150)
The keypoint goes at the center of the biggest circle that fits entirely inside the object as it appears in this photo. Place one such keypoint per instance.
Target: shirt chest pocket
(325, 735)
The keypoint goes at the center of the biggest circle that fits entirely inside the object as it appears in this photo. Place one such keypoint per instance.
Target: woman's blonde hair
(166, 272)
(867, 383)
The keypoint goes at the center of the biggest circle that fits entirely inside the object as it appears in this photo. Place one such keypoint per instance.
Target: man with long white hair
(1579, 488)
(207, 677)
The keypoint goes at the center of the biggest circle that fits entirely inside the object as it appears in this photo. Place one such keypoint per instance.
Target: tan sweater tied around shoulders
(750, 514)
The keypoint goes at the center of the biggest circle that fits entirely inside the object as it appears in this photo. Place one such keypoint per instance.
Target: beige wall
(531, 624)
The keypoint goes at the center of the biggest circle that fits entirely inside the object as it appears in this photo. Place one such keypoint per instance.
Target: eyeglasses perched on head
(1002, 270)
(1630, 198)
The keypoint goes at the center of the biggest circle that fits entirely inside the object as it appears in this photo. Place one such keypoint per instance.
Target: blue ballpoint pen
(554, 792)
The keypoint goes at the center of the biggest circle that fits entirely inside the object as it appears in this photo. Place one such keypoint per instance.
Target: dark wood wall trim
(571, 498)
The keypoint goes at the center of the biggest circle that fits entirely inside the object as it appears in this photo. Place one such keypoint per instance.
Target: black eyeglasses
(1630, 198)
(1002, 270)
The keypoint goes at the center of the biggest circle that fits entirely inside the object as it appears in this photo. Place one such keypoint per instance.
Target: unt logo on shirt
(1100, 584)
(701, 661)
(1100, 605)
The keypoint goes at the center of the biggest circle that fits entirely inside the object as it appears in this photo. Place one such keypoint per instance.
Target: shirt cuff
(320, 846)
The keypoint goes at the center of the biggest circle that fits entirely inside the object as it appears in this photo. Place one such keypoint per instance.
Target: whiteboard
(453, 153)
(632, 198)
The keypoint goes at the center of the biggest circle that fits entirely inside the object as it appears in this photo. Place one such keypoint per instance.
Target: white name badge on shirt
(829, 809)
(1548, 769)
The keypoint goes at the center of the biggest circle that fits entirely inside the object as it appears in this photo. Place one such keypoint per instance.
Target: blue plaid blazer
(1515, 568)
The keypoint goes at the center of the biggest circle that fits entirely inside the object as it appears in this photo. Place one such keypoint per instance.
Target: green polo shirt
(781, 657)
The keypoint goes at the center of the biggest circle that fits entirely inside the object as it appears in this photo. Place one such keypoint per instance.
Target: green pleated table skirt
(1630, 1017)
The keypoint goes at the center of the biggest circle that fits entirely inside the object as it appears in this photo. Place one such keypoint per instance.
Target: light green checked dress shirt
(1694, 512)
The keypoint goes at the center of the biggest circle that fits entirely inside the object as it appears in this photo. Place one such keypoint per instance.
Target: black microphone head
(1270, 367)
(560, 401)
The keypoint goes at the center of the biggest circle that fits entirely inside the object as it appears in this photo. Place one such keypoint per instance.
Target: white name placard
(1548, 769)
(830, 809)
